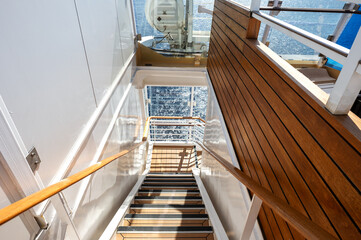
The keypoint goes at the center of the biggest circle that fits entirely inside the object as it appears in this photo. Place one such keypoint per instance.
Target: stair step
(167, 198)
(167, 216)
(167, 174)
(170, 186)
(162, 181)
(171, 206)
(168, 192)
(170, 182)
(166, 220)
(167, 208)
(168, 229)
(169, 178)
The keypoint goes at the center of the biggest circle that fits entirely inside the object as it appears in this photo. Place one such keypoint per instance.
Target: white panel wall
(15, 226)
(110, 186)
(44, 79)
(126, 30)
(58, 59)
(223, 189)
(101, 34)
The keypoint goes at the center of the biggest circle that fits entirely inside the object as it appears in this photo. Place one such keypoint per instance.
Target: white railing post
(255, 5)
(63, 214)
(251, 217)
(267, 28)
(348, 84)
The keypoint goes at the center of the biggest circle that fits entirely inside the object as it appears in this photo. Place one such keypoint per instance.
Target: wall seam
(86, 54)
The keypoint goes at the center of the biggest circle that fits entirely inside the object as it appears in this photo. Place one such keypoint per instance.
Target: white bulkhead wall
(58, 59)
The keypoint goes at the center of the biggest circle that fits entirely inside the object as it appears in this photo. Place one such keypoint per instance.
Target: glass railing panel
(287, 47)
(229, 197)
(200, 102)
(318, 23)
(104, 192)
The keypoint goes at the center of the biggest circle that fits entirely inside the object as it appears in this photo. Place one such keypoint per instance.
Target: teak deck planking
(283, 138)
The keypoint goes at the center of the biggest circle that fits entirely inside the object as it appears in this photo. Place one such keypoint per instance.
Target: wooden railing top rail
(147, 124)
(304, 225)
(15, 209)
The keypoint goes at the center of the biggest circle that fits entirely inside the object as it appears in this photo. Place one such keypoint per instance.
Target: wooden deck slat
(276, 221)
(311, 146)
(283, 137)
(294, 175)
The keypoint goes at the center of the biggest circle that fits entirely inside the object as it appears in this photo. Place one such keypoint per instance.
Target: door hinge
(33, 159)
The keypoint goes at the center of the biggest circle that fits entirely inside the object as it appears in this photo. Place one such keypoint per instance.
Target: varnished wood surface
(172, 159)
(299, 221)
(284, 139)
(28, 202)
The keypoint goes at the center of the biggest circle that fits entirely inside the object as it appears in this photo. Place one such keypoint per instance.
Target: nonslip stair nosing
(167, 206)
(168, 186)
(179, 192)
(167, 190)
(166, 217)
(170, 173)
(167, 198)
(169, 181)
(170, 177)
(167, 229)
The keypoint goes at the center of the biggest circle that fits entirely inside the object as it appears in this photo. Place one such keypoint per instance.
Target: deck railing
(175, 129)
(347, 86)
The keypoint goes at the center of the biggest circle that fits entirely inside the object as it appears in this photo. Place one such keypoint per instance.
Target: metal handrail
(304, 225)
(147, 124)
(320, 44)
(316, 10)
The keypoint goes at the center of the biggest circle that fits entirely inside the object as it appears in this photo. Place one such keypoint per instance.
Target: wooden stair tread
(170, 177)
(169, 181)
(167, 229)
(167, 216)
(171, 206)
(168, 191)
(168, 186)
(167, 198)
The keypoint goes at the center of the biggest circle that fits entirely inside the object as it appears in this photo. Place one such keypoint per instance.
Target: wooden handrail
(15, 209)
(304, 225)
(147, 124)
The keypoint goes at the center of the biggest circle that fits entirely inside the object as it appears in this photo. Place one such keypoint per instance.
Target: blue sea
(321, 24)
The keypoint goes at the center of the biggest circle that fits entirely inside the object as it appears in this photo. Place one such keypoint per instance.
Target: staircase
(167, 206)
